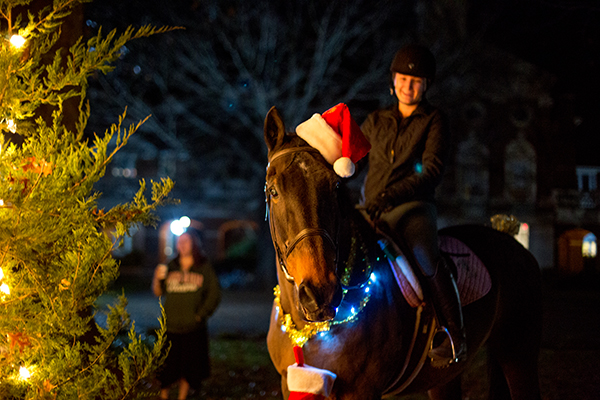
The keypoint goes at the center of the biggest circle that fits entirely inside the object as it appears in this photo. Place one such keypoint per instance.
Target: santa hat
(337, 137)
(308, 383)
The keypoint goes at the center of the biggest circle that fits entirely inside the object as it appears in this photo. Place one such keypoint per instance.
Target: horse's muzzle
(319, 305)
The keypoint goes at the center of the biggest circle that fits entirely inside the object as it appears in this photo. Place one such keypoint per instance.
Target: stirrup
(455, 358)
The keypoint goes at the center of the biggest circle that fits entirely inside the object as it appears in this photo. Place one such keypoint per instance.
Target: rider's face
(409, 89)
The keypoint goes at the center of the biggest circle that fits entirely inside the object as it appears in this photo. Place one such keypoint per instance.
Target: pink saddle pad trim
(473, 279)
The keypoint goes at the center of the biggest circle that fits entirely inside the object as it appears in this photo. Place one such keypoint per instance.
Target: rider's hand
(378, 206)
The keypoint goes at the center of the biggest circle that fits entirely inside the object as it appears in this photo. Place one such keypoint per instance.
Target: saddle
(473, 281)
(472, 278)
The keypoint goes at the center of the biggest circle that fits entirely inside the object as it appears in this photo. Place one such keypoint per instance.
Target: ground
(241, 368)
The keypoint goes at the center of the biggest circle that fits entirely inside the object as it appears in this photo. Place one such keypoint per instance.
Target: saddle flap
(473, 279)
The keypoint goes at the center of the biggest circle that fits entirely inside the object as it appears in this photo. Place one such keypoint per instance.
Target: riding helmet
(414, 60)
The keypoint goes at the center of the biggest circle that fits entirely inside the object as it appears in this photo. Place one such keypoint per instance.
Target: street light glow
(180, 225)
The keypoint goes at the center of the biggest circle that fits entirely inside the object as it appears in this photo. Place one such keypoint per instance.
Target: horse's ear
(274, 129)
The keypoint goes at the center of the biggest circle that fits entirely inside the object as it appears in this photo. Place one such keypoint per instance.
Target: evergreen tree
(55, 244)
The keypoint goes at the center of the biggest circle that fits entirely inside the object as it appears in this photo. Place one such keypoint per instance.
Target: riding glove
(382, 203)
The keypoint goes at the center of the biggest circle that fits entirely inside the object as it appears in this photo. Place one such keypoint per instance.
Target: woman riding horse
(338, 298)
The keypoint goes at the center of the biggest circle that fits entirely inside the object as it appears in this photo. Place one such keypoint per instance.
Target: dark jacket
(407, 155)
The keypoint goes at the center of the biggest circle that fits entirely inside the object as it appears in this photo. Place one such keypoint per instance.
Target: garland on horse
(357, 315)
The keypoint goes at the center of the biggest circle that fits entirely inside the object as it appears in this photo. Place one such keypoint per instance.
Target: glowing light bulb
(17, 41)
(11, 126)
(366, 290)
(4, 288)
(373, 277)
(24, 373)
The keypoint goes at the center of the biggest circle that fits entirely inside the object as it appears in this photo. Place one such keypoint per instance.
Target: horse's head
(302, 193)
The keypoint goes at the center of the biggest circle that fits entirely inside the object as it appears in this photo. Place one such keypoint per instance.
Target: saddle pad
(473, 279)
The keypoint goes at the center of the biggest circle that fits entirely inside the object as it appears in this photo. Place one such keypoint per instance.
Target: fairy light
(24, 373)
(17, 41)
(349, 313)
(10, 125)
(4, 288)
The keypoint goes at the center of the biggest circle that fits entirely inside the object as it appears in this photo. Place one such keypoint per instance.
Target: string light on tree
(17, 41)
(4, 288)
(24, 373)
(56, 258)
(10, 125)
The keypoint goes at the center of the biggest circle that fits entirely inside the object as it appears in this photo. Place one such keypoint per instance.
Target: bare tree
(210, 86)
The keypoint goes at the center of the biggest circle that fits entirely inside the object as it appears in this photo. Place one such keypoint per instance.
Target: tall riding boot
(446, 303)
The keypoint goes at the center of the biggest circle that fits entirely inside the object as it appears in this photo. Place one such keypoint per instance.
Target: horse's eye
(273, 192)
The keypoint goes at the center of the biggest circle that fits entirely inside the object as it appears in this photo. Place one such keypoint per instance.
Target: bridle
(304, 233)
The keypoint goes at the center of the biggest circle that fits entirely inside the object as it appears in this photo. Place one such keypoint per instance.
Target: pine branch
(54, 255)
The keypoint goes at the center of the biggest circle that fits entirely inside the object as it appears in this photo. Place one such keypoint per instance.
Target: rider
(409, 143)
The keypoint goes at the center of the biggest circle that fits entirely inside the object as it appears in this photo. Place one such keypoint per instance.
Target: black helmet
(414, 60)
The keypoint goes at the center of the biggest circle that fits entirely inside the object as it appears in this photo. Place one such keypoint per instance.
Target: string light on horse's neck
(300, 336)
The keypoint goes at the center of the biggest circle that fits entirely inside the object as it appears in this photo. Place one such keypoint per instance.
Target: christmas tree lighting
(24, 373)
(17, 41)
(55, 253)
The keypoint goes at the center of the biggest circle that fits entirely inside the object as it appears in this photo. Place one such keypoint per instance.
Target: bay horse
(338, 298)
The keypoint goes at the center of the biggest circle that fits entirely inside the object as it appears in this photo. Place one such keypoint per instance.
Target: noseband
(304, 233)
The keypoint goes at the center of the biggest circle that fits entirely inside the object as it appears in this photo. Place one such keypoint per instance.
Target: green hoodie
(190, 298)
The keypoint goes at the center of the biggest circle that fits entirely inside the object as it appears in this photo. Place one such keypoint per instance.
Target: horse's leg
(449, 391)
(285, 393)
(498, 389)
(514, 351)
(514, 375)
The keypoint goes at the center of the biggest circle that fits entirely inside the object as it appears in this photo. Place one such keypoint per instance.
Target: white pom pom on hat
(337, 137)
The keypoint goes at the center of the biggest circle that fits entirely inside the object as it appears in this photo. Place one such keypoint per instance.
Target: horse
(339, 300)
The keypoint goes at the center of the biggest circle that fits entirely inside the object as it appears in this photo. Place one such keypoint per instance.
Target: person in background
(409, 146)
(191, 293)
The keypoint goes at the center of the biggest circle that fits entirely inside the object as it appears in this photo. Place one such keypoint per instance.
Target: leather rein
(304, 233)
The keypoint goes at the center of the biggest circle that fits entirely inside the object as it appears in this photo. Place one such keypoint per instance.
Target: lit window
(589, 248)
